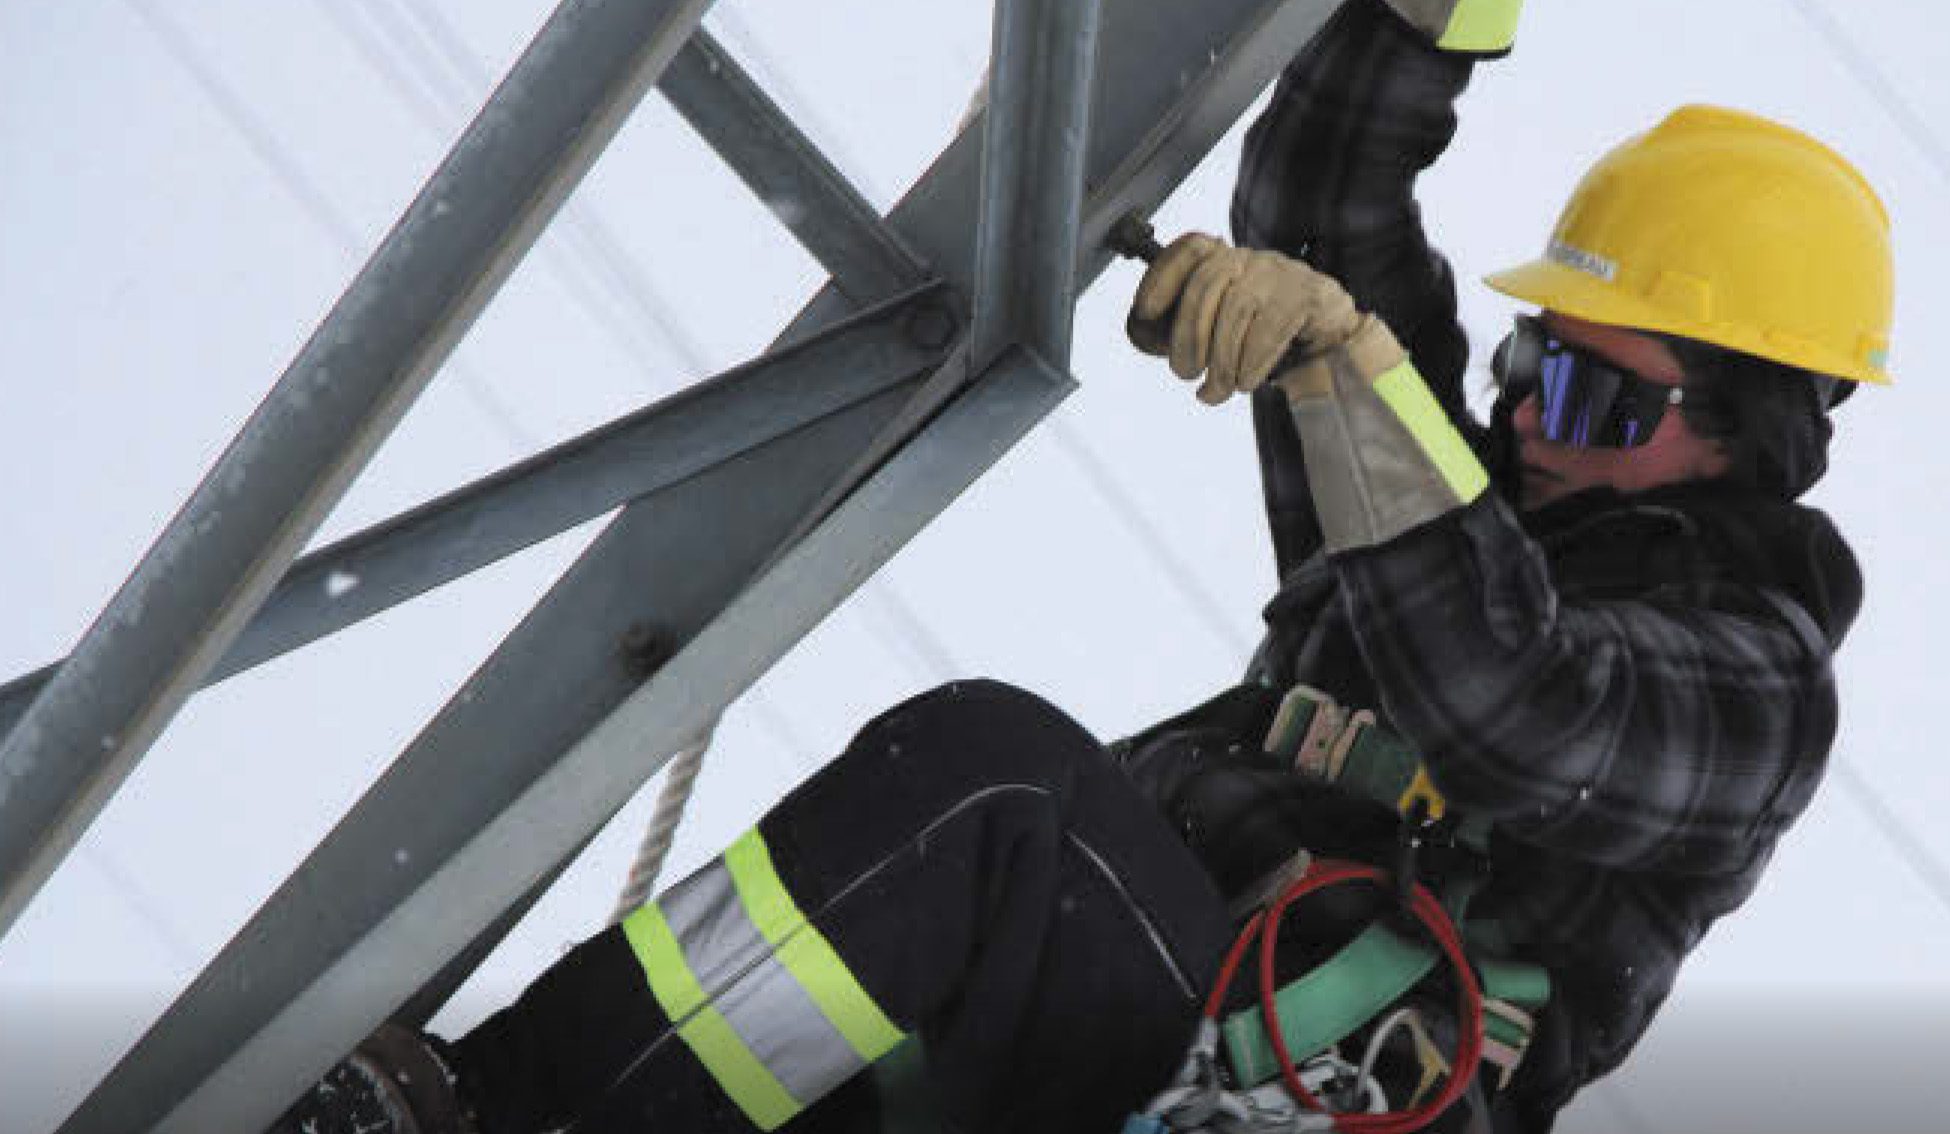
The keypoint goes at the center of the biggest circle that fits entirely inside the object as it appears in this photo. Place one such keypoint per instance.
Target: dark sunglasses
(1583, 399)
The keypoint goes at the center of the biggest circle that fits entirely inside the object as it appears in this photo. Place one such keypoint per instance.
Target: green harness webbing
(1357, 984)
(1321, 1008)
(1380, 966)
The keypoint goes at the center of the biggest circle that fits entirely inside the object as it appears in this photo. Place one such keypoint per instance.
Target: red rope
(1266, 927)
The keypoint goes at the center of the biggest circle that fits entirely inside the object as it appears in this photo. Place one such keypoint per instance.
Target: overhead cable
(1911, 847)
(304, 190)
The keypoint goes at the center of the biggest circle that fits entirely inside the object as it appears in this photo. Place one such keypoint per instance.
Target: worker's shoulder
(1791, 548)
(1703, 543)
(1748, 539)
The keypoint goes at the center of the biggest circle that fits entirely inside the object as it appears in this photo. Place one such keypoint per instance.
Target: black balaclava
(1772, 418)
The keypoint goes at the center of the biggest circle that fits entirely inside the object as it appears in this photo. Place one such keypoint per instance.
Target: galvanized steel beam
(549, 737)
(801, 186)
(355, 918)
(218, 559)
(1171, 79)
(578, 480)
(1211, 100)
(1034, 142)
(659, 593)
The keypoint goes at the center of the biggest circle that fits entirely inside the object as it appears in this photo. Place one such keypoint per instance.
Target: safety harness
(1281, 1055)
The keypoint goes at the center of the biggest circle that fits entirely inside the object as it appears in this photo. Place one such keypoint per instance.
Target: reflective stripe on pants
(754, 989)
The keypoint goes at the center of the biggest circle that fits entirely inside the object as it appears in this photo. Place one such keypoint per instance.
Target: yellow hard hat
(1725, 227)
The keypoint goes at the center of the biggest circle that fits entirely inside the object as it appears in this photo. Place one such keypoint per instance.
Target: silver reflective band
(754, 989)
(788, 1033)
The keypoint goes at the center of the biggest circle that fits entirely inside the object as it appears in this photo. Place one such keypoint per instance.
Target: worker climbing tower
(940, 340)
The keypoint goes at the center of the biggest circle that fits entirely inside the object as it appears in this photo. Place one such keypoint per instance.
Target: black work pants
(990, 879)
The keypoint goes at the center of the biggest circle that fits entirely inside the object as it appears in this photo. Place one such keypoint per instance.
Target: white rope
(680, 778)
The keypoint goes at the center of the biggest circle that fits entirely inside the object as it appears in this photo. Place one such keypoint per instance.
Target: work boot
(395, 1082)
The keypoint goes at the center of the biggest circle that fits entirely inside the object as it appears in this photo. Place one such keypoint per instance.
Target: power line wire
(1908, 843)
(441, 103)
(143, 904)
(1178, 574)
(1868, 73)
(305, 192)
(1918, 854)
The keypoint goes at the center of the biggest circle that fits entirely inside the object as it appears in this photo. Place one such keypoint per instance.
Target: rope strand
(680, 779)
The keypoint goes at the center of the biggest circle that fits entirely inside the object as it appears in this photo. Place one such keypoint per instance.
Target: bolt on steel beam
(220, 556)
(1035, 141)
(471, 527)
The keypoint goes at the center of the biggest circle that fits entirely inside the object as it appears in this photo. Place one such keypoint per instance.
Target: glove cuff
(1371, 349)
(1382, 457)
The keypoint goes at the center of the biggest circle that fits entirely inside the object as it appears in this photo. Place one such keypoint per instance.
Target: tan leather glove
(1382, 456)
(1236, 316)
(1474, 27)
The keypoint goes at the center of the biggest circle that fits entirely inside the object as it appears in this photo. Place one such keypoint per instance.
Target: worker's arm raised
(1328, 176)
(1328, 172)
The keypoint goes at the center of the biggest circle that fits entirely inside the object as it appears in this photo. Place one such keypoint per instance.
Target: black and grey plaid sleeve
(1328, 176)
(1679, 732)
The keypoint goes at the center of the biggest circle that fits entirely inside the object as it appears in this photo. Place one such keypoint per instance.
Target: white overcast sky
(187, 185)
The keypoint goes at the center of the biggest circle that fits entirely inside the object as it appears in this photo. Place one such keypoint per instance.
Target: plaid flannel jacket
(1637, 689)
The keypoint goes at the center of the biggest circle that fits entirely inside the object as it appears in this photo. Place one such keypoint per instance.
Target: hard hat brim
(1558, 287)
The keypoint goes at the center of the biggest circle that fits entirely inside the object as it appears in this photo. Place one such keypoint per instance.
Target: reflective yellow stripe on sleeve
(805, 952)
(710, 1037)
(1482, 25)
(1402, 388)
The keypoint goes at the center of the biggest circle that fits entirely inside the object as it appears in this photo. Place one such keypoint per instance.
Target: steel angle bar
(368, 917)
(1170, 80)
(805, 584)
(499, 515)
(455, 897)
(219, 557)
(433, 995)
(789, 173)
(1034, 141)
(381, 905)
(1213, 100)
